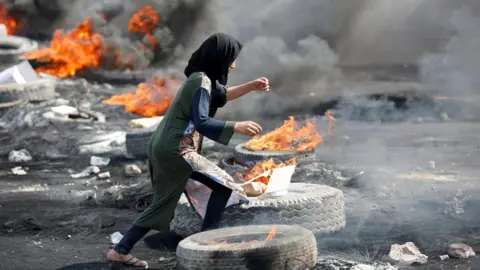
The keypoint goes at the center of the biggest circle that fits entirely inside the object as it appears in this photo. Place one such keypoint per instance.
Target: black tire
(115, 76)
(293, 247)
(137, 142)
(243, 155)
(318, 208)
(39, 90)
(12, 48)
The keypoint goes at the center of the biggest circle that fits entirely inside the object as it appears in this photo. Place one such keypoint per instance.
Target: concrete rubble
(460, 251)
(85, 173)
(132, 170)
(406, 254)
(17, 156)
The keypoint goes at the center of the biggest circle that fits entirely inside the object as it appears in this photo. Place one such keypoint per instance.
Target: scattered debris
(99, 161)
(87, 172)
(21, 155)
(145, 122)
(132, 170)
(407, 254)
(67, 113)
(363, 267)
(337, 264)
(444, 257)
(460, 251)
(111, 144)
(19, 171)
(116, 237)
(104, 175)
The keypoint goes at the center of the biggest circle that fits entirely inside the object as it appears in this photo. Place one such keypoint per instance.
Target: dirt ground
(419, 185)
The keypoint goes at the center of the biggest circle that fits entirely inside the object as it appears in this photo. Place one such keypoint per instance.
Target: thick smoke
(300, 46)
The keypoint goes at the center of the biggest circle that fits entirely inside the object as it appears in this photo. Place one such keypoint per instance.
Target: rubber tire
(39, 90)
(243, 155)
(137, 142)
(318, 208)
(22, 45)
(295, 249)
(115, 77)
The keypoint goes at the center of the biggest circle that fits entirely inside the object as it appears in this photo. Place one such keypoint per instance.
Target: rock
(87, 172)
(104, 175)
(444, 257)
(407, 254)
(99, 161)
(444, 117)
(460, 251)
(19, 171)
(21, 155)
(145, 122)
(363, 267)
(132, 170)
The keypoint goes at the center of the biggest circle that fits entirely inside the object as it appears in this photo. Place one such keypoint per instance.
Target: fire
(10, 22)
(83, 48)
(150, 99)
(144, 22)
(263, 166)
(68, 53)
(271, 235)
(291, 137)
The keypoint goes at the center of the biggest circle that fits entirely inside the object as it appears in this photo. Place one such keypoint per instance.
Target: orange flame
(271, 235)
(150, 99)
(144, 22)
(291, 137)
(11, 23)
(263, 166)
(68, 53)
(83, 48)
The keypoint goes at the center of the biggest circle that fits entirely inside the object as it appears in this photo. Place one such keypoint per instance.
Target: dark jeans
(216, 204)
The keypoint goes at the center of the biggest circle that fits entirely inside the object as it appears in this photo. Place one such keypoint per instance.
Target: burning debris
(10, 21)
(86, 47)
(262, 167)
(290, 137)
(150, 99)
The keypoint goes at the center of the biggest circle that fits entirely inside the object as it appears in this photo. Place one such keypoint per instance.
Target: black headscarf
(214, 57)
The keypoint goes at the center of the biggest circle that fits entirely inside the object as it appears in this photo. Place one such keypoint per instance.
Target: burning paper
(290, 137)
(268, 177)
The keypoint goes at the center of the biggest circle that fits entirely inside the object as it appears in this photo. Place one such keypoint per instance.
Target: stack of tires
(11, 93)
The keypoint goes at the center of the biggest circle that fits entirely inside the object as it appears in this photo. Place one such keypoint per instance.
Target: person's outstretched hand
(260, 84)
(249, 128)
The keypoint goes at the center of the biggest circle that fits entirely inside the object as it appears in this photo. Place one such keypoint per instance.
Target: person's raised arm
(235, 92)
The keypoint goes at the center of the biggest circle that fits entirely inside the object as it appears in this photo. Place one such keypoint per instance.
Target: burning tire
(12, 48)
(291, 247)
(39, 90)
(318, 208)
(243, 155)
(137, 142)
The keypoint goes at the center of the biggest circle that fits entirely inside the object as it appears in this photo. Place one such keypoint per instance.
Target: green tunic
(172, 153)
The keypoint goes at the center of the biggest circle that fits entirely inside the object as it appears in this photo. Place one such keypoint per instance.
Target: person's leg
(121, 251)
(217, 202)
